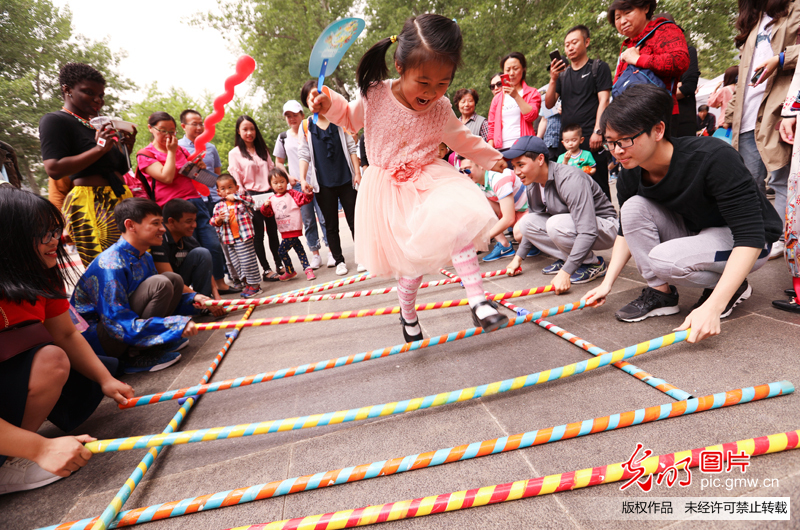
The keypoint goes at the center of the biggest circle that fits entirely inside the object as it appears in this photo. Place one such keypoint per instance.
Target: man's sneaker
(150, 363)
(554, 267)
(250, 291)
(499, 251)
(316, 261)
(651, 303)
(341, 269)
(533, 252)
(178, 345)
(742, 293)
(310, 274)
(361, 268)
(777, 250)
(19, 474)
(288, 276)
(331, 260)
(586, 273)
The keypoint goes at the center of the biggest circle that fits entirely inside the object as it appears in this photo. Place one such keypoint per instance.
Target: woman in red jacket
(515, 108)
(665, 53)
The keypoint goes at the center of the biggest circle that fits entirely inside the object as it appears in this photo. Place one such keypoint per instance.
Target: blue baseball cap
(526, 144)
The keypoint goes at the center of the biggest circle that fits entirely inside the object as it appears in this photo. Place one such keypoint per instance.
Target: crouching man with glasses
(690, 215)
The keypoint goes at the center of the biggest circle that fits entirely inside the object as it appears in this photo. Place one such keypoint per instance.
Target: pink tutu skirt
(412, 224)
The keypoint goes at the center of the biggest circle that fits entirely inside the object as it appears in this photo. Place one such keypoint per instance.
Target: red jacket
(665, 53)
(531, 97)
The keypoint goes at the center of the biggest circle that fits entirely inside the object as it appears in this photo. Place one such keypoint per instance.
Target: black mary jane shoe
(410, 338)
(491, 322)
(790, 292)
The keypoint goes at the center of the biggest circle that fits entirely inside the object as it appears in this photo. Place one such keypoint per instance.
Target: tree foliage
(280, 35)
(37, 40)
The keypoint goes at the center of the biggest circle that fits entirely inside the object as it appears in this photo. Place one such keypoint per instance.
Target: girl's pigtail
(372, 67)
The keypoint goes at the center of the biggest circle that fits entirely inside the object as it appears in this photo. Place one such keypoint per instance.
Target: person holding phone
(515, 107)
(767, 38)
(93, 160)
(585, 90)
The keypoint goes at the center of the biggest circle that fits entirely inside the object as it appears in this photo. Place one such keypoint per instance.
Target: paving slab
(757, 345)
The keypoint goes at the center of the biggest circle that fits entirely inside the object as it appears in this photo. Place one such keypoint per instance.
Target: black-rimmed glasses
(622, 143)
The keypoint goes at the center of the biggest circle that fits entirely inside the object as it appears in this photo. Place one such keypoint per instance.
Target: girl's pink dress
(414, 210)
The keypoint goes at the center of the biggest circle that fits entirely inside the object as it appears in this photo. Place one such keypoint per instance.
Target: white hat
(292, 106)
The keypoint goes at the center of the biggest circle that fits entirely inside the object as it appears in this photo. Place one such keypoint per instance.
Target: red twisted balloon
(245, 66)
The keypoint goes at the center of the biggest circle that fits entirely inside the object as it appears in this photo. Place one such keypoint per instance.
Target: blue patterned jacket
(102, 293)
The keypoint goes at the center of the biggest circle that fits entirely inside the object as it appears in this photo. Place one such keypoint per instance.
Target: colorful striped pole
(290, 298)
(327, 286)
(385, 409)
(657, 383)
(325, 365)
(442, 456)
(235, 305)
(122, 496)
(317, 317)
(522, 489)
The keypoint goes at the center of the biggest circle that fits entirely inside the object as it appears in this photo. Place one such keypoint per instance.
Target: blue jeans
(196, 270)
(780, 177)
(310, 222)
(206, 235)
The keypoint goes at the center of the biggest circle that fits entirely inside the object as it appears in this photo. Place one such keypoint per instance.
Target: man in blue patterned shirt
(134, 313)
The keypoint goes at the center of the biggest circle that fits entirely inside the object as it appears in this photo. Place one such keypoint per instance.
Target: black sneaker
(742, 293)
(651, 303)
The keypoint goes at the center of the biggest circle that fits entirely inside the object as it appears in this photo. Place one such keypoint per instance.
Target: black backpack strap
(148, 189)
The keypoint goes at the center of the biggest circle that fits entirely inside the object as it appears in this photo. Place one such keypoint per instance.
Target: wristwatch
(598, 131)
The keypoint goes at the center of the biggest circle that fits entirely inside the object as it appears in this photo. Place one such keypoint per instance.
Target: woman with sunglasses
(162, 161)
(47, 369)
(691, 215)
(93, 160)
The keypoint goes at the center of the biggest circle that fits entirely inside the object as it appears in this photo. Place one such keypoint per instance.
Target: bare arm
(83, 359)
(60, 456)
(704, 320)
(619, 257)
(603, 98)
(507, 216)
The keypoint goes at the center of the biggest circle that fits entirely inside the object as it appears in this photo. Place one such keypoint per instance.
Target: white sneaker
(19, 474)
(777, 250)
(331, 261)
(341, 269)
(361, 268)
(316, 261)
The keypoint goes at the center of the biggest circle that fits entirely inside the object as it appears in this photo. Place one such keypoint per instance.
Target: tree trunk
(29, 174)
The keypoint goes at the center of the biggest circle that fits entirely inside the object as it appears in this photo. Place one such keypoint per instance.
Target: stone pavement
(758, 345)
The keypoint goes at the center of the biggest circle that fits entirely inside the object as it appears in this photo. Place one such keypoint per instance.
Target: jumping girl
(414, 212)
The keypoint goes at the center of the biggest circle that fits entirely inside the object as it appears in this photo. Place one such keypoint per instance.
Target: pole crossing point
(439, 457)
(386, 409)
(317, 317)
(657, 383)
(122, 496)
(284, 373)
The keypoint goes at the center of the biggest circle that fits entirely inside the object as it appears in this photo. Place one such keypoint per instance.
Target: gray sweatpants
(555, 235)
(667, 252)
